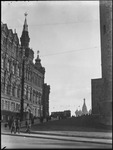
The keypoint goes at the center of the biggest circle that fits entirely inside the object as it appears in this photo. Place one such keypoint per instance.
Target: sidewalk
(93, 137)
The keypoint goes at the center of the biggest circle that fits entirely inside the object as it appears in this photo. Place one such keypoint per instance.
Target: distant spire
(84, 108)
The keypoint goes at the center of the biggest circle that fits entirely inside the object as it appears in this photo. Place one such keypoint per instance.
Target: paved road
(11, 141)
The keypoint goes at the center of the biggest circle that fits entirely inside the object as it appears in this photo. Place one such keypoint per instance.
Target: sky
(67, 34)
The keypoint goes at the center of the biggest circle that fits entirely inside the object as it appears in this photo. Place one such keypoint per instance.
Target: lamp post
(22, 85)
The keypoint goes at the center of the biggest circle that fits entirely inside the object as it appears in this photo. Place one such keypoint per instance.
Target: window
(33, 96)
(2, 106)
(8, 105)
(18, 71)
(12, 106)
(17, 107)
(35, 112)
(8, 89)
(13, 68)
(38, 80)
(25, 91)
(8, 65)
(2, 62)
(13, 90)
(30, 94)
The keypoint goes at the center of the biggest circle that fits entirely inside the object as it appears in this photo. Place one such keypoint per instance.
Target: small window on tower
(104, 29)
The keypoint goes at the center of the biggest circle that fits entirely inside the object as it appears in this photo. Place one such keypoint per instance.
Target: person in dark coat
(13, 126)
(18, 125)
(9, 123)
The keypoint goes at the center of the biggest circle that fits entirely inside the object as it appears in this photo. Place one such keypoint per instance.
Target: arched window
(12, 106)
(8, 105)
(8, 88)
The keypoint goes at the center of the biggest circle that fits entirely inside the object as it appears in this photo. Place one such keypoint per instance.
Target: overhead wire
(71, 51)
(60, 23)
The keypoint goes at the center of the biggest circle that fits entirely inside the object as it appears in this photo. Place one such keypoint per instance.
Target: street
(12, 141)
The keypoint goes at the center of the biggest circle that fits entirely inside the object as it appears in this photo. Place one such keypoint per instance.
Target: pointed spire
(25, 22)
(84, 108)
(25, 35)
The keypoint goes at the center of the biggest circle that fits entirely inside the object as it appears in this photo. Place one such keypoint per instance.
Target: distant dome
(84, 108)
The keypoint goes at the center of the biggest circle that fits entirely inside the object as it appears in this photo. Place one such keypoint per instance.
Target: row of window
(33, 77)
(10, 106)
(14, 68)
(15, 107)
(7, 43)
(30, 95)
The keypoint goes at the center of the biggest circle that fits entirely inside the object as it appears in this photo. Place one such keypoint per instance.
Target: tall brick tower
(25, 41)
(102, 88)
(25, 35)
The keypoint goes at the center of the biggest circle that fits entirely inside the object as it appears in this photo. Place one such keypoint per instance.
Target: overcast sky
(67, 34)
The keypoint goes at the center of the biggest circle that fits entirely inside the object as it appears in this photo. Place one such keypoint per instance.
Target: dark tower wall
(102, 88)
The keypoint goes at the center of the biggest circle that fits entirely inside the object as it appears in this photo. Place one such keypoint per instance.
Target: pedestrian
(13, 126)
(9, 123)
(18, 126)
(28, 128)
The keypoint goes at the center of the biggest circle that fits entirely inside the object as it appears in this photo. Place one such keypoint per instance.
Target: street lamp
(22, 84)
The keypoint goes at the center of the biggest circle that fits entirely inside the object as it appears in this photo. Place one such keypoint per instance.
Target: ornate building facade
(102, 87)
(12, 55)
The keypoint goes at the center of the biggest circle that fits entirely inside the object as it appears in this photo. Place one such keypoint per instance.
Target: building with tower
(22, 81)
(84, 110)
(102, 87)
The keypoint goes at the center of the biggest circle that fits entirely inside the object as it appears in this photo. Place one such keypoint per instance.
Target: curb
(33, 132)
(55, 138)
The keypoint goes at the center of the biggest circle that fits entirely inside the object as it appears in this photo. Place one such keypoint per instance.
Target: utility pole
(22, 85)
